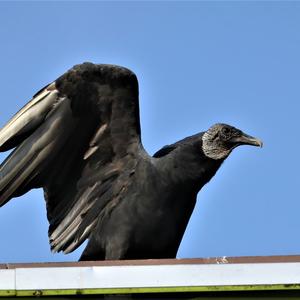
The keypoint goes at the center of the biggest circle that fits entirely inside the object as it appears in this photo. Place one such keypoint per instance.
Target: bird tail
(27, 131)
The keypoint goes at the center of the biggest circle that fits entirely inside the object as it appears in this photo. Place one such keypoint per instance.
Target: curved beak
(246, 139)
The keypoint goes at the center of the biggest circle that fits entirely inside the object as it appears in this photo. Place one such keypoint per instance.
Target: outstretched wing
(79, 139)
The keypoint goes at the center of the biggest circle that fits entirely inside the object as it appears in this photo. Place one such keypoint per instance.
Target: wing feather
(24, 163)
(28, 118)
(79, 139)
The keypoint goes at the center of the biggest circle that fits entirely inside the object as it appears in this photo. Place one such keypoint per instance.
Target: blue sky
(198, 63)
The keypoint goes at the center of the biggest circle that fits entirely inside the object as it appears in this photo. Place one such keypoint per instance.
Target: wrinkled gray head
(220, 139)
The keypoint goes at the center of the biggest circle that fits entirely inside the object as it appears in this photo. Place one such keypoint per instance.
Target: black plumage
(79, 139)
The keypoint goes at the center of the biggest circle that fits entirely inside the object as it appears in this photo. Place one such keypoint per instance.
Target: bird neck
(187, 166)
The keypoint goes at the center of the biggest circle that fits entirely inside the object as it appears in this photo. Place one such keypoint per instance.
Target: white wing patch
(31, 115)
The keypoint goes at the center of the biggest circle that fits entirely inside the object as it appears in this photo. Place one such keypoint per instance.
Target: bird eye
(225, 130)
(225, 133)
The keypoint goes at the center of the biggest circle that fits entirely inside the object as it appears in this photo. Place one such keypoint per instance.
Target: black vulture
(79, 139)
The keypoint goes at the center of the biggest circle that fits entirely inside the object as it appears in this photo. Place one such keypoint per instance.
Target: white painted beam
(193, 276)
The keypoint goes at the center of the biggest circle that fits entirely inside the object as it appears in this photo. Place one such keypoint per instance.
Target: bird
(79, 138)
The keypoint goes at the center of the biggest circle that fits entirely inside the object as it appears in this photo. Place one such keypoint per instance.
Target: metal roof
(151, 276)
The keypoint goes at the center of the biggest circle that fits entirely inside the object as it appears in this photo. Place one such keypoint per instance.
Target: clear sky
(198, 63)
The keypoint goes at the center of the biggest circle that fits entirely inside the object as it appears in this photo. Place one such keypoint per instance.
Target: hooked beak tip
(256, 142)
(260, 143)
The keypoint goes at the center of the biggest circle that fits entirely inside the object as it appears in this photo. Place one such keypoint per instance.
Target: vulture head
(220, 139)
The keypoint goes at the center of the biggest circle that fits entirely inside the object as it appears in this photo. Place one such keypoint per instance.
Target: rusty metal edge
(209, 260)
